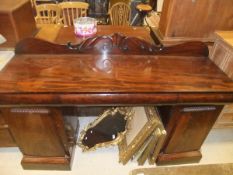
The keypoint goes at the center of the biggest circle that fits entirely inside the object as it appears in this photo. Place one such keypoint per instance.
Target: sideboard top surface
(112, 74)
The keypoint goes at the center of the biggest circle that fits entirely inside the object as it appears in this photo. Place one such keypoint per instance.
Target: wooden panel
(6, 139)
(10, 5)
(46, 163)
(45, 138)
(222, 53)
(165, 16)
(7, 30)
(157, 74)
(35, 132)
(194, 19)
(222, 56)
(2, 121)
(156, 77)
(179, 158)
(219, 54)
(188, 127)
(17, 21)
(27, 26)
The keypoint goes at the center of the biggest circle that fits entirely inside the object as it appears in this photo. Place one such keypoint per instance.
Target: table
(188, 88)
(62, 35)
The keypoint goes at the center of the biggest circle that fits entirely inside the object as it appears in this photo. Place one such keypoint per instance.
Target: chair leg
(134, 19)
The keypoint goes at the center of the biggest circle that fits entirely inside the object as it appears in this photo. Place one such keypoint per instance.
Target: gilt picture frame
(158, 146)
(125, 111)
(140, 127)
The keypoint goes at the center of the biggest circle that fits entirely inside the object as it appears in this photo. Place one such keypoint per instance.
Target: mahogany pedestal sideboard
(109, 70)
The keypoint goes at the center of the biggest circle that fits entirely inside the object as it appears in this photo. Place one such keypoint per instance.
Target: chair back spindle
(120, 14)
(47, 14)
(73, 10)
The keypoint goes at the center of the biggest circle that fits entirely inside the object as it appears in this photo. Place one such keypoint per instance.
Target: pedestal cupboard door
(36, 131)
(187, 126)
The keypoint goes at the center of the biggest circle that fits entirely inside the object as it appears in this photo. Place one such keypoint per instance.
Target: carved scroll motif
(110, 44)
(116, 43)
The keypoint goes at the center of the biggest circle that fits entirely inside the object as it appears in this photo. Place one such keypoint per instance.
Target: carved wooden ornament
(110, 44)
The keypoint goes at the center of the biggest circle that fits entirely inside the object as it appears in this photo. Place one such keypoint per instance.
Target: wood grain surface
(49, 76)
(116, 73)
(106, 79)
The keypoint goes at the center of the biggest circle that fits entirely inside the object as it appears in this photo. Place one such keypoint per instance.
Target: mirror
(108, 129)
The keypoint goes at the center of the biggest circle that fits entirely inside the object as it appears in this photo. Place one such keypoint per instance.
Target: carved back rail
(110, 44)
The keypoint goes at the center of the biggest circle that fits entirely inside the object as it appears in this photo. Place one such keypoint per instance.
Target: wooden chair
(47, 14)
(33, 3)
(120, 14)
(72, 10)
(39, 2)
(113, 2)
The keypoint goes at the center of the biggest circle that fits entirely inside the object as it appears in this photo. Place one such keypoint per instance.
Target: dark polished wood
(179, 158)
(114, 99)
(110, 44)
(45, 163)
(29, 125)
(155, 74)
(108, 78)
(56, 79)
(6, 139)
(187, 127)
(39, 133)
(192, 122)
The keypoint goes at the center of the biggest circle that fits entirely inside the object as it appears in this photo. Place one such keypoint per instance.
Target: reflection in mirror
(108, 129)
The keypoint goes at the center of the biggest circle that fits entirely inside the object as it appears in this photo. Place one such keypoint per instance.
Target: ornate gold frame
(127, 111)
(161, 139)
(126, 152)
